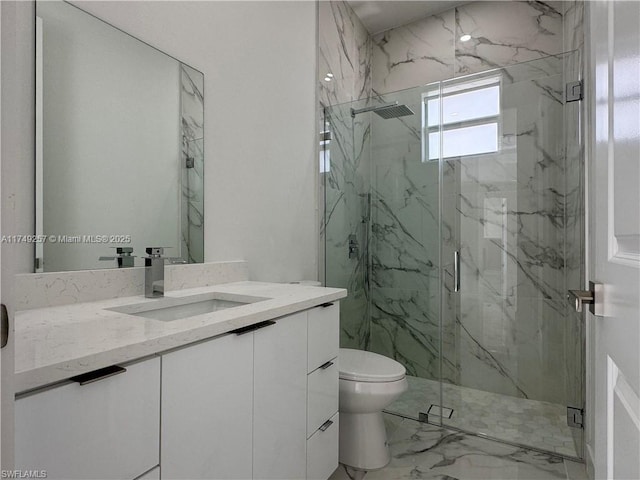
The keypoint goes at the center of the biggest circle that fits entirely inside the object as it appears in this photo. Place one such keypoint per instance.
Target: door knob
(592, 297)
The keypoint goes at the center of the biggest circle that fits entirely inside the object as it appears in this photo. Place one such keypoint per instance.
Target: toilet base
(363, 441)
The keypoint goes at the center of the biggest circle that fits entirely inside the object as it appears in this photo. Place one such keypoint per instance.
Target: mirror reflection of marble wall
(120, 154)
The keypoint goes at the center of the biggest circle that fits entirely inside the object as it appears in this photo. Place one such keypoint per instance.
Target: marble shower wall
(511, 341)
(345, 54)
(503, 33)
(192, 129)
(405, 293)
(508, 332)
(509, 318)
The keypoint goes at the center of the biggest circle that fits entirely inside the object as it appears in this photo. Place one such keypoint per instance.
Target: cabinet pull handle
(326, 365)
(328, 304)
(326, 425)
(96, 375)
(251, 328)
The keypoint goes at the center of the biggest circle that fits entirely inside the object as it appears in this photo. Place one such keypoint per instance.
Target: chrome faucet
(154, 272)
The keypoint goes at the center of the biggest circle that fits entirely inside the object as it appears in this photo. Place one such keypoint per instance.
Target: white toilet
(368, 383)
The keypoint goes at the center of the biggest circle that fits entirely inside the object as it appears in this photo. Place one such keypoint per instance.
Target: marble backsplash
(38, 290)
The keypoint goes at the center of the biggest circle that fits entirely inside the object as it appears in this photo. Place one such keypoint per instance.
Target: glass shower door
(511, 208)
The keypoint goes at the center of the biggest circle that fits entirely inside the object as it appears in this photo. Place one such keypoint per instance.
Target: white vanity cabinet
(254, 404)
(258, 402)
(235, 407)
(207, 401)
(107, 429)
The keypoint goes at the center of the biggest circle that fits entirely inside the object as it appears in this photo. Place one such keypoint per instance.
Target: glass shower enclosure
(456, 223)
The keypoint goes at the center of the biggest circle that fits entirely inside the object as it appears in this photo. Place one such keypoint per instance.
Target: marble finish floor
(540, 425)
(420, 450)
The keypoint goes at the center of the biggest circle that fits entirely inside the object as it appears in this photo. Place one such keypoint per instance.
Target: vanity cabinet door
(280, 399)
(107, 429)
(207, 401)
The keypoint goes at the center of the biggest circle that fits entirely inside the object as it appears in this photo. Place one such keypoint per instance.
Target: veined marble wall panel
(415, 54)
(405, 281)
(503, 33)
(346, 204)
(506, 33)
(406, 328)
(574, 25)
(345, 53)
(509, 224)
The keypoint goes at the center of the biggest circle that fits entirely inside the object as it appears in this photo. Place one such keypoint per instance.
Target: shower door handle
(456, 271)
(591, 297)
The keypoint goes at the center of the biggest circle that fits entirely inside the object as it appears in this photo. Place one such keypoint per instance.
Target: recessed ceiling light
(465, 38)
(327, 78)
(330, 75)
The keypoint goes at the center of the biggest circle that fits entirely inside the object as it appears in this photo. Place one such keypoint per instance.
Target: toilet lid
(364, 366)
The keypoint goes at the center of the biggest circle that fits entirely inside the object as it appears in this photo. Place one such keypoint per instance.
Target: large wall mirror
(119, 146)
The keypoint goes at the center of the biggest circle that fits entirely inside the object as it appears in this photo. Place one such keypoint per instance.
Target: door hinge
(574, 92)
(575, 417)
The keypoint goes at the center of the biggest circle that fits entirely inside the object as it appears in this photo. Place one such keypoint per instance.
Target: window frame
(436, 91)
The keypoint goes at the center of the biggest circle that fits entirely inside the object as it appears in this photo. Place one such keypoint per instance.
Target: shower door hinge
(575, 417)
(574, 92)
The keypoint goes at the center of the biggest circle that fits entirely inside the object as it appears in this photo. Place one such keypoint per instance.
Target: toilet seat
(361, 366)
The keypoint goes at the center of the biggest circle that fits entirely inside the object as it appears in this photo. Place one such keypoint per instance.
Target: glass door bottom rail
(541, 425)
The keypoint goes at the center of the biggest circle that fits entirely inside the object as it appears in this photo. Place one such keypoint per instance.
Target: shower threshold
(522, 422)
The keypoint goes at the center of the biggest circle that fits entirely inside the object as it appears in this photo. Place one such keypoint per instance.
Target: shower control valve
(354, 248)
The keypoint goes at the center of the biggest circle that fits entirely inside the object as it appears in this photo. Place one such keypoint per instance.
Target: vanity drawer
(323, 334)
(106, 429)
(322, 450)
(322, 395)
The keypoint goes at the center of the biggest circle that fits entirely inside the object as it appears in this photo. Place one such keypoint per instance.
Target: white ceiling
(380, 15)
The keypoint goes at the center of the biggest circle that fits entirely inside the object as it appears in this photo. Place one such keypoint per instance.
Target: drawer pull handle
(328, 304)
(324, 366)
(97, 375)
(251, 328)
(326, 425)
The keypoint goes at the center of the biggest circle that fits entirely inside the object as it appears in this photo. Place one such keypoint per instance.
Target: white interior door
(1, 115)
(615, 235)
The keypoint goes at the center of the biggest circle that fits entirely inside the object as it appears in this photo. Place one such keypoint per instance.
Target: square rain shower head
(394, 111)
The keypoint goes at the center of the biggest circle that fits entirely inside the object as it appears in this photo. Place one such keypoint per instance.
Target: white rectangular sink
(168, 309)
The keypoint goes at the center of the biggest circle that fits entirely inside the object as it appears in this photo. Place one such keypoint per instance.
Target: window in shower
(470, 122)
(325, 151)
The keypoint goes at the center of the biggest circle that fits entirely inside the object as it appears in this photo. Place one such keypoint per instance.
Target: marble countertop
(56, 343)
